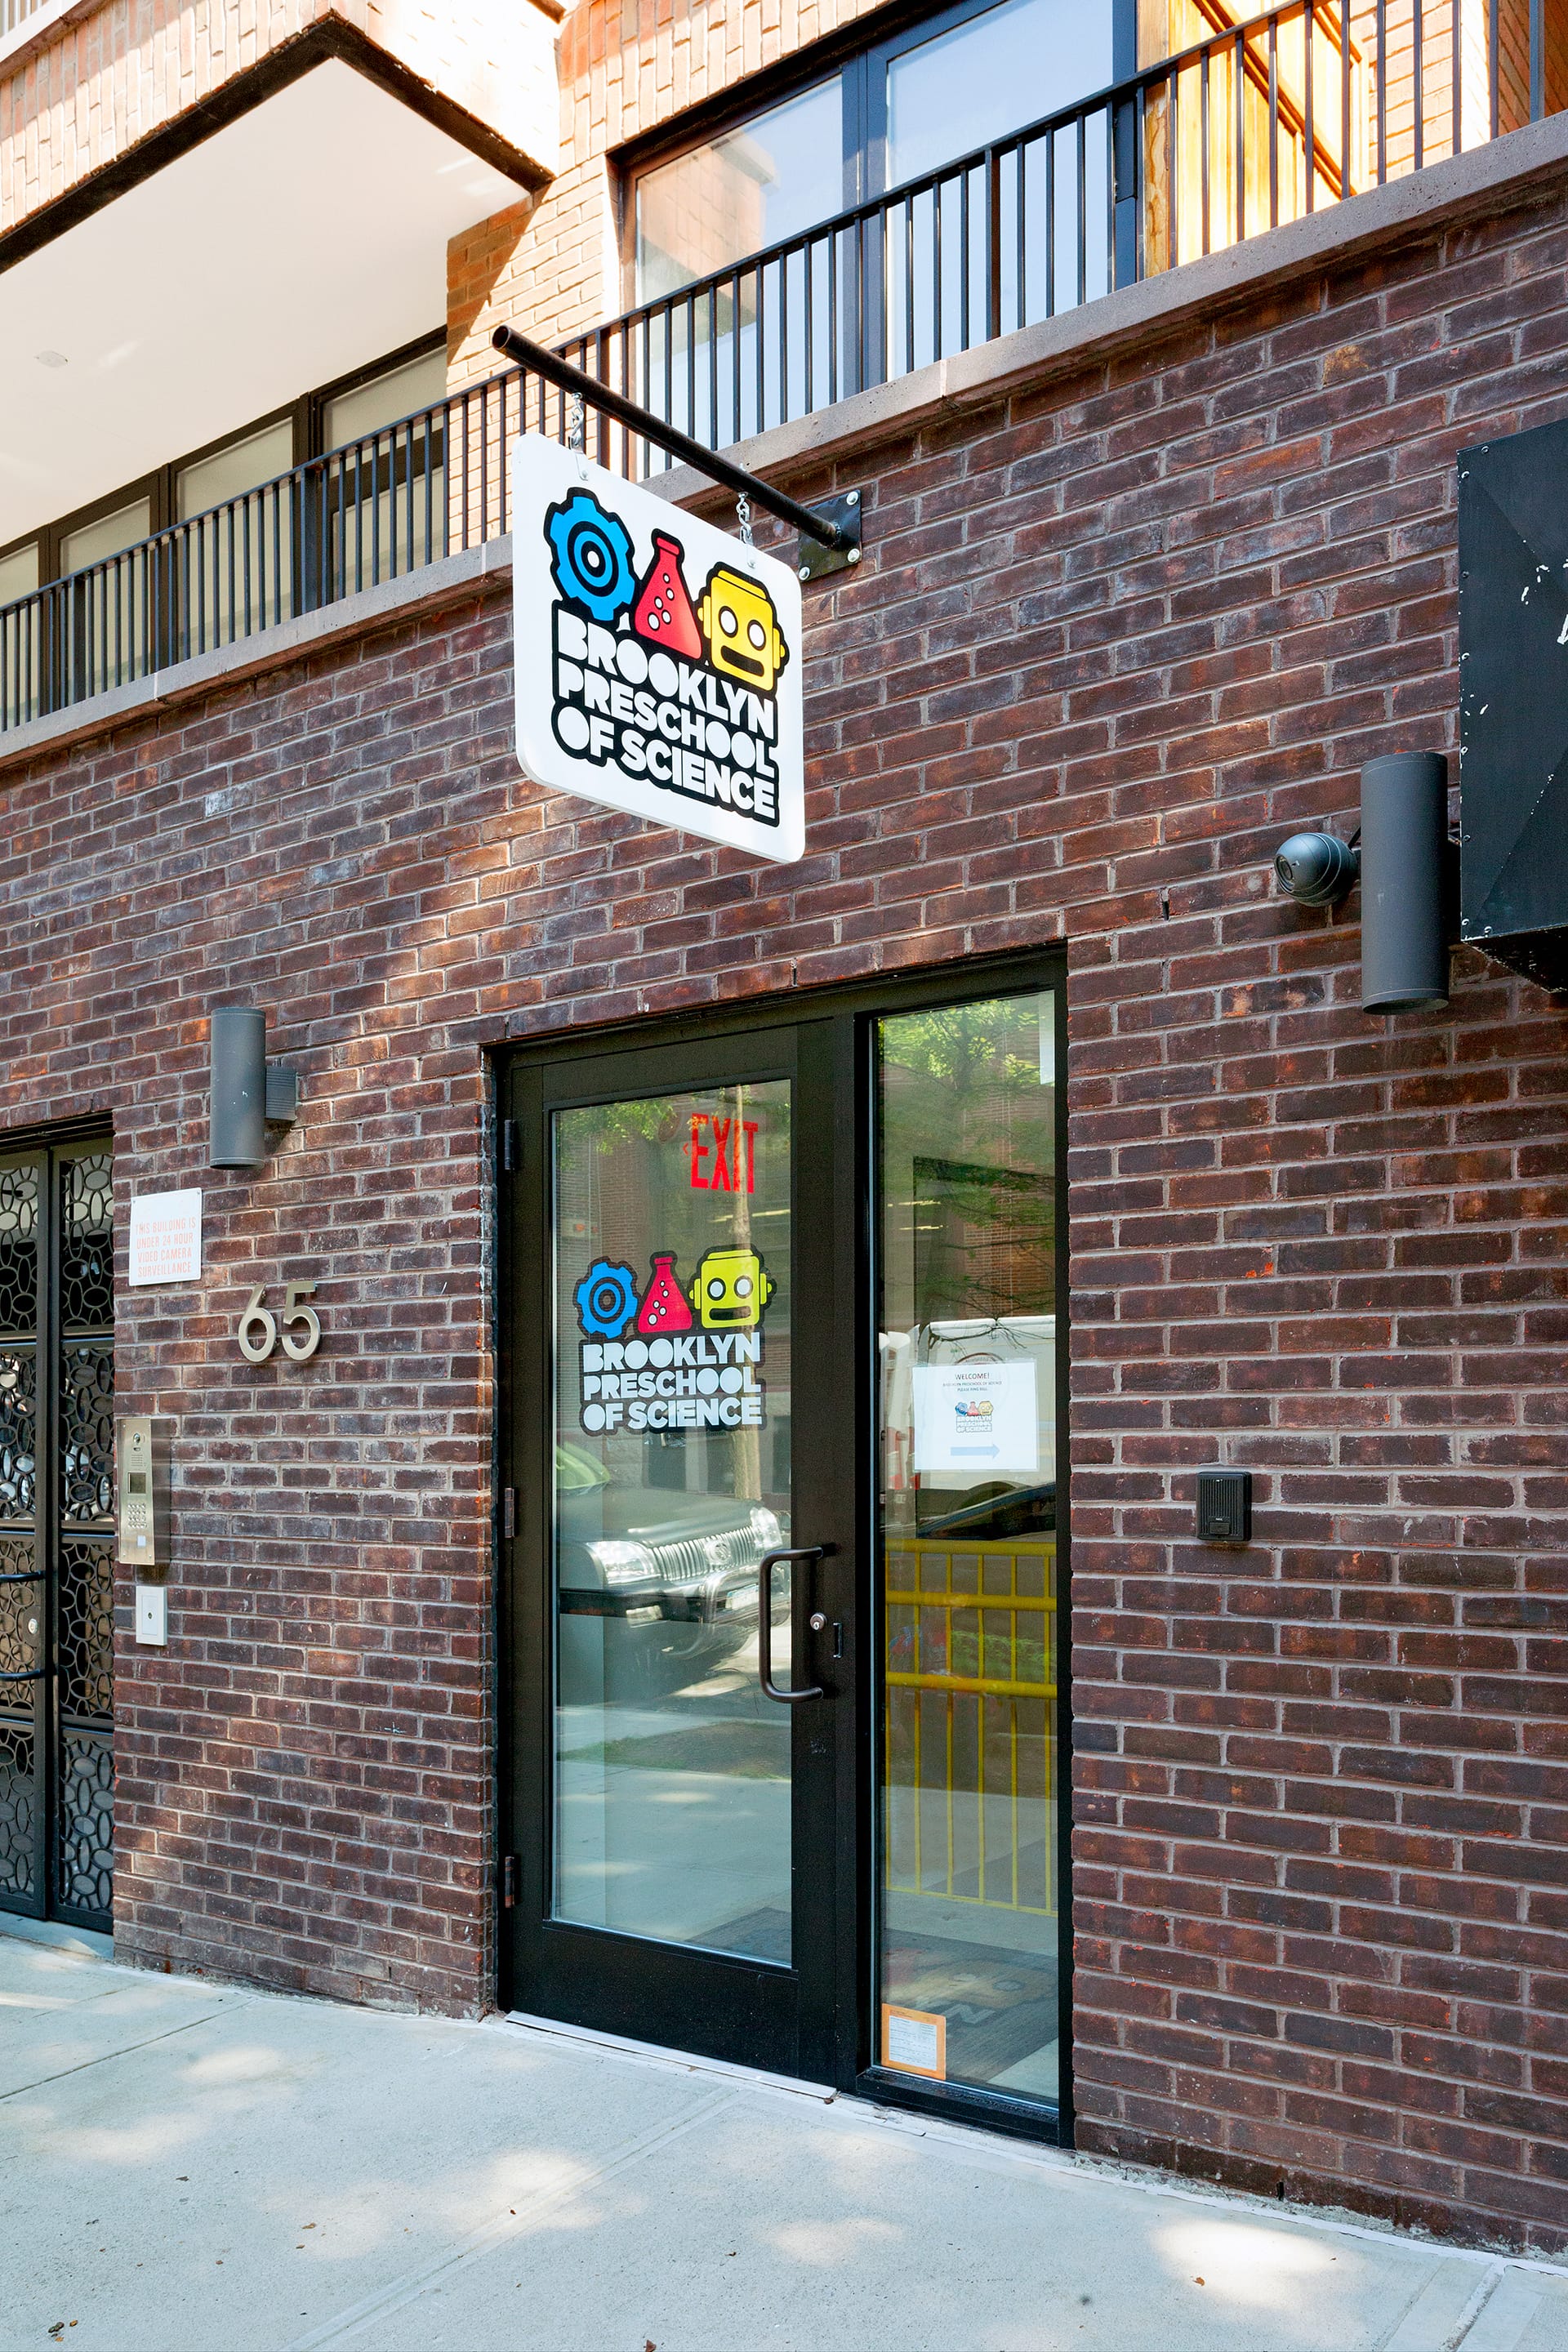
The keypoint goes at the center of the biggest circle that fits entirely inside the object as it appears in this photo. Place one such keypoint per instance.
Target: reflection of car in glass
(674, 1574)
(991, 1512)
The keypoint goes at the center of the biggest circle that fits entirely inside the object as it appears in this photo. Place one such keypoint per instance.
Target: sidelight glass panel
(671, 1354)
(967, 1342)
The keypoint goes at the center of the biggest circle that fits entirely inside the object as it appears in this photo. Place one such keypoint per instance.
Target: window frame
(859, 54)
(308, 414)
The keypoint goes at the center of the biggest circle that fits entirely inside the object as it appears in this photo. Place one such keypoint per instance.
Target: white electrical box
(152, 1616)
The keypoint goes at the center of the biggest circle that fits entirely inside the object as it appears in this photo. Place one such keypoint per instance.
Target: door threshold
(57, 1933)
(684, 2060)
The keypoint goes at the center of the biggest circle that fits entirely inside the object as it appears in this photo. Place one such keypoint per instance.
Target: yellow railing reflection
(970, 1721)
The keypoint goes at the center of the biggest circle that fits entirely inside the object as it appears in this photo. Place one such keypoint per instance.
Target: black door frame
(834, 1030)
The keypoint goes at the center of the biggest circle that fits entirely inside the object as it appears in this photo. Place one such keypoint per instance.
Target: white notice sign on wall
(166, 1237)
(657, 660)
(978, 1417)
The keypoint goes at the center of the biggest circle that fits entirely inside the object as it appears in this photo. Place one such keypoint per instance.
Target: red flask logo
(664, 1307)
(663, 613)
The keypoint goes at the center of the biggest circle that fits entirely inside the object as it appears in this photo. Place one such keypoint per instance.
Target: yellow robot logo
(738, 619)
(731, 1288)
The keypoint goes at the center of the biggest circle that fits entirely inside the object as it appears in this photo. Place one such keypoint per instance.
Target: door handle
(766, 1566)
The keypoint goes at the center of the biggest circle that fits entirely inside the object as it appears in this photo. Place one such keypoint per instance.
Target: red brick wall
(1112, 639)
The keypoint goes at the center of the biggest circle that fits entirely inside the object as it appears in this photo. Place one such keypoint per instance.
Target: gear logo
(591, 557)
(607, 1299)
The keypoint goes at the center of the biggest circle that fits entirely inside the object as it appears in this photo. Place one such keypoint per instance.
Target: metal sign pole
(835, 534)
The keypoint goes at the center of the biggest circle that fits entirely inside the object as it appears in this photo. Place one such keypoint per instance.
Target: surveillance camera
(1316, 869)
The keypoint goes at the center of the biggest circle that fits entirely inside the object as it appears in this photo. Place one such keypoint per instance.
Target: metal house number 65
(257, 1330)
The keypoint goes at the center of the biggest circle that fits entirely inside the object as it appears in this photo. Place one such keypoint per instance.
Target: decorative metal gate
(57, 1533)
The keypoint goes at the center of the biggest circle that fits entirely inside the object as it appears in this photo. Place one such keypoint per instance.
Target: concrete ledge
(268, 649)
(1482, 180)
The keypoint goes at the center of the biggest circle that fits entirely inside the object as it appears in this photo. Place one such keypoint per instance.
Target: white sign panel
(657, 660)
(166, 1237)
(976, 1417)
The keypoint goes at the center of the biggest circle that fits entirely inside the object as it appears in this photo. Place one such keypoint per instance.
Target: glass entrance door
(684, 1561)
(671, 1374)
(781, 1557)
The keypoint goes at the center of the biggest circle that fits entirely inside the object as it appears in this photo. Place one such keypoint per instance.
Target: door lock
(817, 1622)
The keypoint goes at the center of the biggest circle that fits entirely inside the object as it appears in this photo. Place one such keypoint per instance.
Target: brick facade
(1116, 633)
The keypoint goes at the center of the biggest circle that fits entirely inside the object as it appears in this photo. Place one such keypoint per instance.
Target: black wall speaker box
(1224, 1506)
(1513, 700)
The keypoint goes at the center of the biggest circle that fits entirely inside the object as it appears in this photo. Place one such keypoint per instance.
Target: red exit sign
(723, 1153)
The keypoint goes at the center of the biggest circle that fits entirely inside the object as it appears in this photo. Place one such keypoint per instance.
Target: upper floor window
(903, 108)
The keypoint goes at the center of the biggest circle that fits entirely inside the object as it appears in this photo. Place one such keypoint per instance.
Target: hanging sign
(657, 660)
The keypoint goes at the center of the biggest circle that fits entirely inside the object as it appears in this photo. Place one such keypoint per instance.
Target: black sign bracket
(830, 532)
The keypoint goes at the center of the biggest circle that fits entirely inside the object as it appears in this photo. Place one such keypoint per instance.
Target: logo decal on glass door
(695, 1360)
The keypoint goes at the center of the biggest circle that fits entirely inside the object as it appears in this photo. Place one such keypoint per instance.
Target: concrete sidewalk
(185, 2166)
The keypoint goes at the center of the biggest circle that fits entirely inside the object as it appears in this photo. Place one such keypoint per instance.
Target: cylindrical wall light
(237, 1112)
(1404, 863)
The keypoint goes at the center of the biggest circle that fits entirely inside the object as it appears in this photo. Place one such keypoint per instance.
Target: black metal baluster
(1310, 139)
(1240, 71)
(761, 343)
(1082, 215)
(1173, 163)
(463, 491)
(1418, 85)
(1345, 97)
(909, 285)
(1457, 123)
(809, 378)
(1494, 79)
(992, 245)
(1141, 132)
(1274, 117)
(936, 270)
(1536, 59)
(1382, 91)
(1204, 140)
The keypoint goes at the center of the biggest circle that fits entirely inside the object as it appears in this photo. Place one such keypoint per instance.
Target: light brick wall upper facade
(561, 271)
(84, 98)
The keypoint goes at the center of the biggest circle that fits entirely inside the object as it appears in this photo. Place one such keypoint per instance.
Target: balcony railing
(1259, 123)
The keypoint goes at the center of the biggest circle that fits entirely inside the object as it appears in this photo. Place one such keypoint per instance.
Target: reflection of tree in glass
(985, 1239)
(965, 1081)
